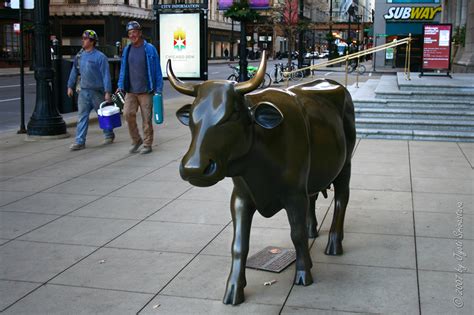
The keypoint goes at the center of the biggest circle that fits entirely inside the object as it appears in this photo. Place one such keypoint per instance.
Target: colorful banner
(180, 42)
(436, 46)
(254, 4)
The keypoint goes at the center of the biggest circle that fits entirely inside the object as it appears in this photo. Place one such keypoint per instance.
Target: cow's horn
(254, 83)
(184, 88)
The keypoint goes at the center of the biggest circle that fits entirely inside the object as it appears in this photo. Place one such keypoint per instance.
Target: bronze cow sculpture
(281, 148)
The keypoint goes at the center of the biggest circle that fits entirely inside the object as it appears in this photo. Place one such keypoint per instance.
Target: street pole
(45, 120)
(243, 53)
(232, 41)
(301, 35)
(22, 73)
(330, 29)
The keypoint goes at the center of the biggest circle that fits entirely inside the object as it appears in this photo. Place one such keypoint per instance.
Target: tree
(285, 17)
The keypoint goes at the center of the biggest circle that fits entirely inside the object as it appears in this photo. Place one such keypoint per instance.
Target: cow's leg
(242, 210)
(341, 197)
(312, 222)
(297, 209)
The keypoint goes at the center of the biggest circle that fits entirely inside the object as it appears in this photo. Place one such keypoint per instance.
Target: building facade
(396, 19)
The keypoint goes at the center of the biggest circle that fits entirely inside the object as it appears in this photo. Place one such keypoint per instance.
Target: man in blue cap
(140, 77)
(93, 68)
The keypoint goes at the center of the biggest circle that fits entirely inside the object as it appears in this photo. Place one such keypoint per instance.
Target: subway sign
(412, 13)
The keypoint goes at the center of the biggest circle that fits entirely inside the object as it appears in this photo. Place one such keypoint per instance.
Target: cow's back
(330, 115)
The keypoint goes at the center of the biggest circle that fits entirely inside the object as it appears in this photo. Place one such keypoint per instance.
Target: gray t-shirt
(137, 69)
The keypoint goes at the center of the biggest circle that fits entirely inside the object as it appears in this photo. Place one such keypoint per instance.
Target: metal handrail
(357, 55)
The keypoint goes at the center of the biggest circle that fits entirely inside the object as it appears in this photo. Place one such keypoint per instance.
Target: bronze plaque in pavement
(271, 258)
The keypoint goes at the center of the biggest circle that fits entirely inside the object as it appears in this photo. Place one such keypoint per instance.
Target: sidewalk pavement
(102, 231)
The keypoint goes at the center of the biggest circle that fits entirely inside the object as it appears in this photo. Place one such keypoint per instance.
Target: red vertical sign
(436, 46)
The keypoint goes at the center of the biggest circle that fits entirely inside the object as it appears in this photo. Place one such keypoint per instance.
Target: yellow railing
(357, 55)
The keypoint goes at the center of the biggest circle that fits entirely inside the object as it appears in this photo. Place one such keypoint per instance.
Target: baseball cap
(133, 25)
(90, 34)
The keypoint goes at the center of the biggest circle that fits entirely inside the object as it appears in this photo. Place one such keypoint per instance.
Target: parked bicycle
(353, 66)
(251, 71)
(281, 69)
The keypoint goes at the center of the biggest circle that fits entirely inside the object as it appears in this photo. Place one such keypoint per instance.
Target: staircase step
(428, 135)
(413, 123)
(417, 113)
(423, 103)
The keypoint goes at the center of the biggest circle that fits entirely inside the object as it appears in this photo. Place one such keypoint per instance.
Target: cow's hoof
(334, 246)
(312, 232)
(303, 277)
(233, 295)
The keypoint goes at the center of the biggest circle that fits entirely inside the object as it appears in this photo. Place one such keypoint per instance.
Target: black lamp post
(243, 53)
(45, 120)
(301, 35)
(232, 42)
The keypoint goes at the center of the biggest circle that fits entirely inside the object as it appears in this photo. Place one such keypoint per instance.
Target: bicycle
(353, 66)
(251, 71)
(281, 69)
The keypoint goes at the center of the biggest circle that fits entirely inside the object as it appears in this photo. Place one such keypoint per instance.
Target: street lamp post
(45, 120)
(232, 41)
(243, 53)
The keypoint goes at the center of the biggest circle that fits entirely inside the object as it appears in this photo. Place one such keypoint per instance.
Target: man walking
(140, 76)
(93, 68)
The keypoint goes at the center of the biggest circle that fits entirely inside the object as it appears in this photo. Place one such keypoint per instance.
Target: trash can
(306, 63)
(67, 104)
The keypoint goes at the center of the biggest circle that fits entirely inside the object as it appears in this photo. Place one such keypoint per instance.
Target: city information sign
(436, 46)
(182, 30)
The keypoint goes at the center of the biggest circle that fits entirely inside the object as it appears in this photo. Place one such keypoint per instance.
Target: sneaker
(77, 146)
(108, 141)
(145, 150)
(134, 147)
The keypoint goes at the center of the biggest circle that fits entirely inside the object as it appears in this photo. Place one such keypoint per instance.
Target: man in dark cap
(140, 77)
(92, 68)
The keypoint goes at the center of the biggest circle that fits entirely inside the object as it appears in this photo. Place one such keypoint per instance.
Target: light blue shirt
(94, 71)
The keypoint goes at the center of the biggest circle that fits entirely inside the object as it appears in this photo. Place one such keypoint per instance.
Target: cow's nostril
(211, 168)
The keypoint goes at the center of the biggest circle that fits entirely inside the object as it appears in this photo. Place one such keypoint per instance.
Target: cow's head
(221, 125)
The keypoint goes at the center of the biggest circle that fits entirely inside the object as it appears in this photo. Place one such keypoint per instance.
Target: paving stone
(58, 299)
(380, 168)
(310, 311)
(10, 291)
(194, 211)
(49, 203)
(219, 192)
(380, 182)
(443, 202)
(438, 254)
(147, 189)
(374, 222)
(14, 224)
(369, 250)
(438, 293)
(422, 169)
(468, 151)
(38, 262)
(358, 289)
(121, 208)
(32, 184)
(167, 236)
(80, 231)
(380, 200)
(168, 173)
(443, 225)
(117, 172)
(444, 185)
(89, 186)
(7, 197)
(173, 305)
(259, 239)
(65, 169)
(206, 276)
(110, 268)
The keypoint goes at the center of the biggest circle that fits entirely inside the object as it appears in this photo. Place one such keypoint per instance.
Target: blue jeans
(88, 100)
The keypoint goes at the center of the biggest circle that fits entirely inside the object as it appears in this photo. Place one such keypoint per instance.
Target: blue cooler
(109, 116)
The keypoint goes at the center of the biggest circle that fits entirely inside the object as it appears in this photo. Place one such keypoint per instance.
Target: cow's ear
(183, 114)
(267, 115)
